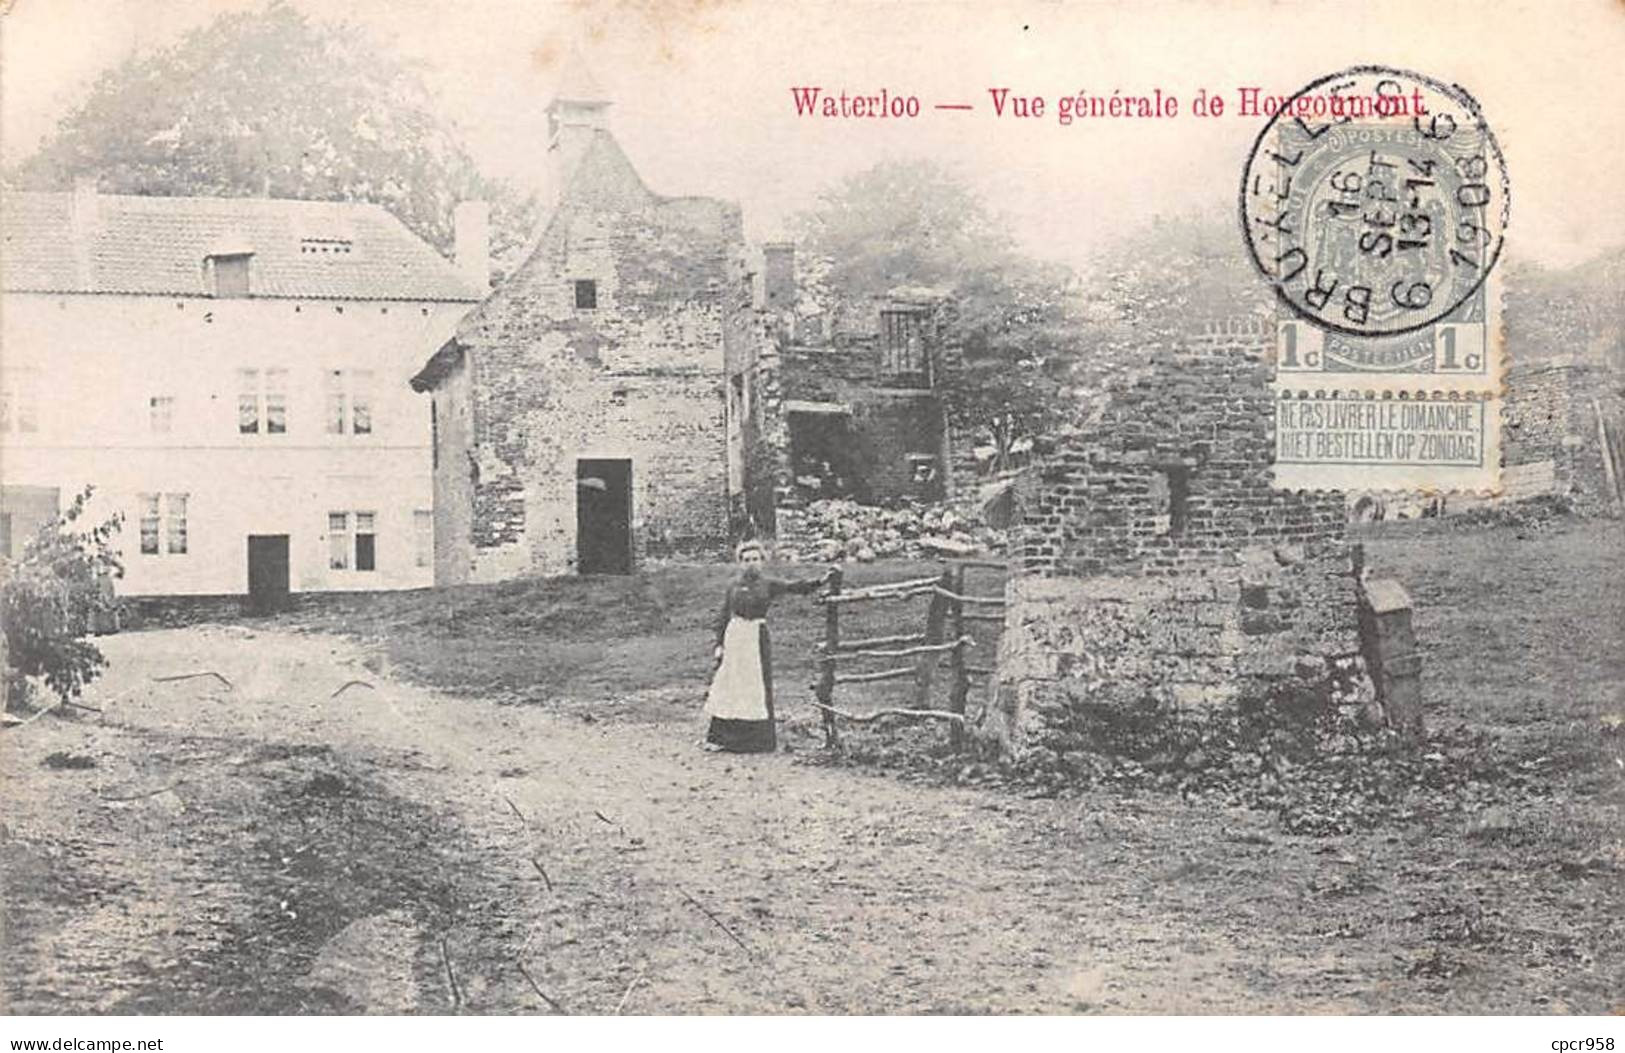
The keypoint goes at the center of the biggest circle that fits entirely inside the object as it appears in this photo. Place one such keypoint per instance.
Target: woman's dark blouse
(750, 595)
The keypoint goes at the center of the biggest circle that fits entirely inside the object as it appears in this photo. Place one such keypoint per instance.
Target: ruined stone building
(644, 387)
(837, 398)
(230, 375)
(578, 411)
(1159, 568)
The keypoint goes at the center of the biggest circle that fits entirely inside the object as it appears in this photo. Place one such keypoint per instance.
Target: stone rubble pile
(841, 531)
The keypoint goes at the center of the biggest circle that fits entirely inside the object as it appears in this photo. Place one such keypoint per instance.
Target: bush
(51, 596)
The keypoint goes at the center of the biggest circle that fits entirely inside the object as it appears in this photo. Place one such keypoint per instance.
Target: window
(423, 537)
(248, 401)
(365, 542)
(922, 467)
(361, 403)
(349, 401)
(1170, 495)
(231, 275)
(161, 413)
(347, 548)
(903, 342)
(586, 294)
(262, 401)
(1179, 494)
(162, 515)
(175, 521)
(338, 540)
(149, 524)
(276, 401)
(434, 433)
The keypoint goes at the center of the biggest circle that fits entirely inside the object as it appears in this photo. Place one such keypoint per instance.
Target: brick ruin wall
(886, 424)
(1556, 426)
(638, 376)
(1161, 569)
(835, 356)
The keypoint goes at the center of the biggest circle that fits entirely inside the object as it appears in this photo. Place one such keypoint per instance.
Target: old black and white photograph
(518, 510)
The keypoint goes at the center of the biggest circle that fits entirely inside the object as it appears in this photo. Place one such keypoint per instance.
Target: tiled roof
(157, 245)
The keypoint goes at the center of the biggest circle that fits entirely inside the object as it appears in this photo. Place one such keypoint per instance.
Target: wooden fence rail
(944, 635)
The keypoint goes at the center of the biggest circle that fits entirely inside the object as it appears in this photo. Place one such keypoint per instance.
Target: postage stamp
(1435, 442)
(1375, 203)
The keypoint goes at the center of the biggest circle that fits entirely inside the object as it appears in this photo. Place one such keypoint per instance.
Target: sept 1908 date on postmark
(1375, 203)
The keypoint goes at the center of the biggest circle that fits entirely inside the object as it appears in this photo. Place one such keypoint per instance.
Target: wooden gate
(949, 613)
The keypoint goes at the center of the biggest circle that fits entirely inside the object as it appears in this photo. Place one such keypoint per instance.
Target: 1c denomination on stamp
(1375, 203)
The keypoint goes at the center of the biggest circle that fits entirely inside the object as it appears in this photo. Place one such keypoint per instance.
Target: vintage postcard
(520, 509)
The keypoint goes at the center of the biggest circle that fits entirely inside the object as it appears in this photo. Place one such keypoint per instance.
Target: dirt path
(277, 847)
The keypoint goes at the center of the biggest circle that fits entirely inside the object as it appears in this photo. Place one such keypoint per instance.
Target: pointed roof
(577, 85)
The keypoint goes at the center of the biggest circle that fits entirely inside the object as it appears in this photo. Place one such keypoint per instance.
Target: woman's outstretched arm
(802, 587)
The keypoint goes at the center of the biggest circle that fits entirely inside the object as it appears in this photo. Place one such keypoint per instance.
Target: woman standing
(740, 702)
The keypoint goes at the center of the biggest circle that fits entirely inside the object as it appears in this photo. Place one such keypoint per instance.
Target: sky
(703, 103)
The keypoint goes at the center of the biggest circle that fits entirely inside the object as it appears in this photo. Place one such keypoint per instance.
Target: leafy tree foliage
(271, 103)
(52, 595)
(1152, 285)
(913, 223)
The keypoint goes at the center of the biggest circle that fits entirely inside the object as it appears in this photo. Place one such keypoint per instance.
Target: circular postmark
(1375, 201)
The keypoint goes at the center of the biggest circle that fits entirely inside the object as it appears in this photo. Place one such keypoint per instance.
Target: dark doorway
(604, 517)
(267, 572)
(823, 455)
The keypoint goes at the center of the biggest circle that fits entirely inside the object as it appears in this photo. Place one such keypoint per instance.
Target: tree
(271, 103)
(51, 597)
(915, 223)
(1154, 284)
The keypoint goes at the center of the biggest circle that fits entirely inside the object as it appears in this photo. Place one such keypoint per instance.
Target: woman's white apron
(738, 690)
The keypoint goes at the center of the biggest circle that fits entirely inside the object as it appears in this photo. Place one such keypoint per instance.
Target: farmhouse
(230, 375)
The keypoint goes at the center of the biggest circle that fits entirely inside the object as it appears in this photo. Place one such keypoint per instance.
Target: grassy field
(1523, 637)
(623, 644)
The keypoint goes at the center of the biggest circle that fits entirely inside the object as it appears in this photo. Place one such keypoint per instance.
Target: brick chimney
(471, 231)
(779, 275)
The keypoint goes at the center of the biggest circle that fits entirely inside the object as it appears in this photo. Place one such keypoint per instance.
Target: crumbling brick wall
(815, 362)
(1160, 569)
(886, 423)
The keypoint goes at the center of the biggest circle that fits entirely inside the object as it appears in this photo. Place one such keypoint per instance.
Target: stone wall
(1160, 571)
(1558, 413)
(631, 367)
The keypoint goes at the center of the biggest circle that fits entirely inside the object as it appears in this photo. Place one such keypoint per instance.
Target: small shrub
(50, 597)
